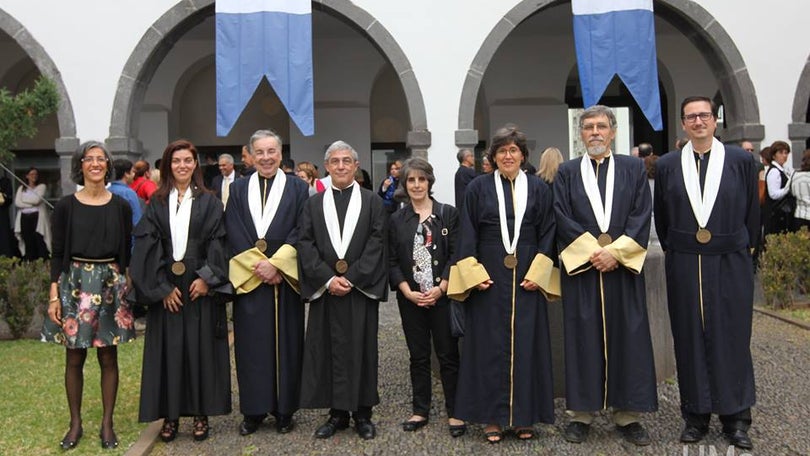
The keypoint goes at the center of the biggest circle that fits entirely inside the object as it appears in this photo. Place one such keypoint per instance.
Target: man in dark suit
(465, 173)
(221, 183)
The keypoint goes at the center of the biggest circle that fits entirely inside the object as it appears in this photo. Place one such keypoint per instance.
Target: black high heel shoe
(108, 444)
(68, 444)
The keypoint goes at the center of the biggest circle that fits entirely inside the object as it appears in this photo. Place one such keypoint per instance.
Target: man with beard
(602, 205)
(268, 318)
(707, 217)
(343, 267)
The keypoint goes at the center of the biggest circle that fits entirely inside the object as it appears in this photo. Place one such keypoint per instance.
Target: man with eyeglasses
(344, 276)
(602, 205)
(707, 217)
(268, 318)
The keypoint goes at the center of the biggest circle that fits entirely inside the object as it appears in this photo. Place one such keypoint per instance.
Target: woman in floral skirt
(91, 246)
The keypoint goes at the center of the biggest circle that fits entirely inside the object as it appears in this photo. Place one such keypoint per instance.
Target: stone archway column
(124, 147)
(466, 139)
(418, 141)
(798, 134)
(65, 147)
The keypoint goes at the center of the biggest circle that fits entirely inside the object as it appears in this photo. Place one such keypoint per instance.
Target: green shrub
(6, 265)
(784, 268)
(28, 291)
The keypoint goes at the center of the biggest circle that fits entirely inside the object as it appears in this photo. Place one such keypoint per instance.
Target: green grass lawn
(35, 414)
(801, 314)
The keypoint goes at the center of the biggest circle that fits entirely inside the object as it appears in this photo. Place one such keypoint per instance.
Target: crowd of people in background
(270, 235)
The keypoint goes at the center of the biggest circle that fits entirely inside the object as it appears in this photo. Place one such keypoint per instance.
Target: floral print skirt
(94, 311)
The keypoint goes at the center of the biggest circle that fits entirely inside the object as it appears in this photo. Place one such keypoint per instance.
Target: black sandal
(169, 430)
(524, 433)
(201, 428)
(495, 436)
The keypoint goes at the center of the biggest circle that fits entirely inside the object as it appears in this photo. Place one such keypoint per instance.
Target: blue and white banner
(264, 38)
(618, 37)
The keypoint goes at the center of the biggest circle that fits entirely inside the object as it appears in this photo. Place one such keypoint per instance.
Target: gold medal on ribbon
(341, 266)
(261, 244)
(703, 236)
(604, 239)
(178, 268)
(510, 261)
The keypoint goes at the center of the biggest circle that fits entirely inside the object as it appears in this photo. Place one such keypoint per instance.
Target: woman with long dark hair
(179, 271)
(91, 246)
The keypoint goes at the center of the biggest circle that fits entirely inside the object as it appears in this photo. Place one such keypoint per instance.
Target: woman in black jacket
(421, 243)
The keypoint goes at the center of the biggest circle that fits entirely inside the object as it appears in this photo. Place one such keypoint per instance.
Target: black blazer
(401, 230)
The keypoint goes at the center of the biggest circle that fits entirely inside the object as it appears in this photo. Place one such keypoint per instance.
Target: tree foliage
(21, 113)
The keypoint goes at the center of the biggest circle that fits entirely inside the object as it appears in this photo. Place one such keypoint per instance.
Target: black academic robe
(186, 361)
(505, 372)
(8, 243)
(712, 340)
(268, 332)
(463, 177)
(340, 350)
(618, 298)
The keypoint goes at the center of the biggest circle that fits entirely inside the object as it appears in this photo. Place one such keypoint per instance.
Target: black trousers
(35, 247)
(736, 421)
(421, 324)
(364, 412)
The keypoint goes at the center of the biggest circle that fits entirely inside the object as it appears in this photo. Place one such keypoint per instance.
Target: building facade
(394, 78)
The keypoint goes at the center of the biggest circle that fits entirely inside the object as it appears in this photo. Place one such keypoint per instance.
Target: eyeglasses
(597, 126)
(704, 116)
(505, 150)
(94, 160)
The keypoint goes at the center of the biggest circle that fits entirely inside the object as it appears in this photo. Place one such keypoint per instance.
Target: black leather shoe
(635, 434)
(365, 428)
(110, 444)
(576, 432)
(250, 424)
(693, 434)
(410, 426)
(284, 424)
(332, 425)
(739, 439)
(67, 443)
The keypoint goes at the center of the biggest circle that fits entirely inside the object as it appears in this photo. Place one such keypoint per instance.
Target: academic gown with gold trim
(340, 350)
(268, 363)
(626, 370)
(186, 361)
(712, 340)
(505, 370)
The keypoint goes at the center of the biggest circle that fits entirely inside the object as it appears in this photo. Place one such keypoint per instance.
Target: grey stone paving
(781, 361)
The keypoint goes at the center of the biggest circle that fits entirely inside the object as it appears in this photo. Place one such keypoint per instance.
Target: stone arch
(700, 27)
(67, 141)
(186, 14)
(799, 129)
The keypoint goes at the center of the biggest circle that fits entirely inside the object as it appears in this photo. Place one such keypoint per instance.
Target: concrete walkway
(782, 367)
